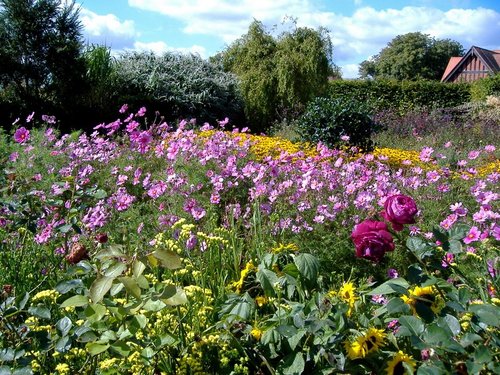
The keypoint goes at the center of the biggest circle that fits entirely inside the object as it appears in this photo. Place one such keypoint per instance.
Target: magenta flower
(372, 240)
(473, 235)
(400, 209)
(22, 135)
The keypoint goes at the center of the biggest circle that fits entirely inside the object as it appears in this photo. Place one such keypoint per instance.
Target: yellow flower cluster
(238, 285)
(399, 158)
(49, 296)
(198, 359)
(285, 248)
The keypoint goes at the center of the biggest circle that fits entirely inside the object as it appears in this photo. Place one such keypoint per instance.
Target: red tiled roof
(451, 65)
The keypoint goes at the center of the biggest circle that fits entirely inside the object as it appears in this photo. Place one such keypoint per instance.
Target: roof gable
(490, 59)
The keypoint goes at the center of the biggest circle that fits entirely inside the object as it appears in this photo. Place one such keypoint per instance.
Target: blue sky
(358, 28)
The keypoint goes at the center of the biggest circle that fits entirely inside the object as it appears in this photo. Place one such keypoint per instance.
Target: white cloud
(107, 29)
(350, 70)
(161, 47)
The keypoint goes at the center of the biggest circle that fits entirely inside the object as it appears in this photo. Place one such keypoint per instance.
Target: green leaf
(76, 301)
(396, 305)
(294, 340)
(458, 231)
(121, 348)
(131, 286)
(391, 286)
(99, 288)
(95, 349)
(138, 268)
(63, 344)
(39, 312)
(455, 247)
(308, 266)
(469, 339)
(267, 279)
(64, 325)
(487, 314)
(66, 286)
(95, 312)
(168, 259)
(179, 298)
(435, 335)
(482, 355)
(115, 269)
(287, 330)
(412, 324)
(113, 251)
(148, 353)
(100, 194)
(293, 364)
(291, 270)
(140, 321)
(453, 324)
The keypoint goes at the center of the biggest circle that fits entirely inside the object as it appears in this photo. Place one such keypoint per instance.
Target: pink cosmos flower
(489, 148)
(448, 259)
(425, 154)
(22, 135)
(473, 235)
(473, 154)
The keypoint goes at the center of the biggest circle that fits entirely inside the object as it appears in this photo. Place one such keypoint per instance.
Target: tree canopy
(411, 56)
(40, 50)
(279, 74)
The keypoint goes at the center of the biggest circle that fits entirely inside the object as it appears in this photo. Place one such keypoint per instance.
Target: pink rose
(400, 209)
(372, 240)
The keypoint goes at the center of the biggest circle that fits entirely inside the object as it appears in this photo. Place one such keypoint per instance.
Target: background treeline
(264, 78)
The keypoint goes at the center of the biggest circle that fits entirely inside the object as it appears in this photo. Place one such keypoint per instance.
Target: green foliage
(412, 56)
(327, 120)
(178, 85)
(42, 68)
(401, 96)
(482, 88)
(279, 75)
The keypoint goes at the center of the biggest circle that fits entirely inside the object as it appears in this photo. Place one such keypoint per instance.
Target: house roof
(491, 59)
(451, 65)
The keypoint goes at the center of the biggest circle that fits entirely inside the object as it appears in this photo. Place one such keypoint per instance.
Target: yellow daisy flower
(347, 293)
(395, 365)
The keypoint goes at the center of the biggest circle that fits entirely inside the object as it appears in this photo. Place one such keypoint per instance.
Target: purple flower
(392, 273)
(448, 259)
(372, 240)
(492, 267)
(22, 135)
(473, 235)
(400, 209)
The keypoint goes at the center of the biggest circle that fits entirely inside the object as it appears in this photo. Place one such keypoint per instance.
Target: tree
(279, 75)
(40, 53)
(411, 56)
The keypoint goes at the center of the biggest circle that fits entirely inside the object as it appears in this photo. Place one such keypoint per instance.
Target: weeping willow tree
(279, 75)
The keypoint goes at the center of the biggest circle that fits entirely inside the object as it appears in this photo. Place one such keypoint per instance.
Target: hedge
(403, 96)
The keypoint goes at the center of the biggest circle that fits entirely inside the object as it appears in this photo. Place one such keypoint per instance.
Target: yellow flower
(249, 267)
(62, 369)
(347, 293)
(427, 296)
(369, 342)
(282, 248)
(395, 365)
(47, 295)
(261, 300)
(256, 333)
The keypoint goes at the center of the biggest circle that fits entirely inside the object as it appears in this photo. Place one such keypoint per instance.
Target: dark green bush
(326, 120)
(401, 96)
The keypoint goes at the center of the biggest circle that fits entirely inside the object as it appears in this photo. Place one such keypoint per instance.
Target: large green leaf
(398, 285)
(94, 348)
(64, 325)
(168, 258)
(179, 298)
(308, 266)
(115, 269)
(410, 325)
(75, 301)
(268, 280)
(293, 364)
(488, 314)
(100, 287)
(131, 286)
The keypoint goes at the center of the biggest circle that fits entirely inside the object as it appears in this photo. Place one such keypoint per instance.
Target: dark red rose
(101, 237)
(372, 240)
(399, 210)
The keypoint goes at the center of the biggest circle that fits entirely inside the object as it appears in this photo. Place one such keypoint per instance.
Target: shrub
(328, 120)
(485, 87)
(184, 86)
